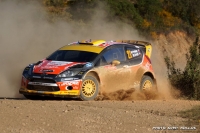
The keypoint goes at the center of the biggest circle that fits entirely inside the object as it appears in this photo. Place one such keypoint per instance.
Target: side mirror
(115, 62)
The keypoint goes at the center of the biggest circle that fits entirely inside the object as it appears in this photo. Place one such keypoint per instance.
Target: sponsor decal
(71, 93)
(104, 44)
(49, 67)
(36, 77)
(129, 54)
(133, 53)
(42, 84)
(58, 63)
(69, 83)
(147, 65)
(46, 70)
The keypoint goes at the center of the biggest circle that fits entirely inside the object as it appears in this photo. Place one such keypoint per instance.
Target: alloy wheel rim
(88, 88)
(147, 85)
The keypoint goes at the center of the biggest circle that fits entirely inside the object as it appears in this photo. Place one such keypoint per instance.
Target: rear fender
(141, 72)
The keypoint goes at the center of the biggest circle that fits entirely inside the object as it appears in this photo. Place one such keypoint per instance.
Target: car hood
(54, 67)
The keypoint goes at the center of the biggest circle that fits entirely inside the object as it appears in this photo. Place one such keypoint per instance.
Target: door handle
(125, 66)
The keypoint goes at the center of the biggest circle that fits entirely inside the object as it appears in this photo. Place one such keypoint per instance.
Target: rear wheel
(89, 89)
(147, 84)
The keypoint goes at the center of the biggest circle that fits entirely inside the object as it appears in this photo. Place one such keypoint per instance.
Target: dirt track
(26, 116)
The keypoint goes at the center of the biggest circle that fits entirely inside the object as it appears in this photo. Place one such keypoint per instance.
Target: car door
(114, 77)
(135, 57)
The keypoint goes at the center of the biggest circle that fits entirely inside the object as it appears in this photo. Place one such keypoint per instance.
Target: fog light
(69, 87)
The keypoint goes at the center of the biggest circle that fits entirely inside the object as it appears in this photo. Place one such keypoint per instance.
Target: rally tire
(89, 89)
(147, 84)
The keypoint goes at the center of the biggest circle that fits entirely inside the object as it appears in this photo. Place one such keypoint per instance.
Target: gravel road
(70, 116)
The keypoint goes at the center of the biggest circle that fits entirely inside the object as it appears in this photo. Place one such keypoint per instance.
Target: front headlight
(68, 73)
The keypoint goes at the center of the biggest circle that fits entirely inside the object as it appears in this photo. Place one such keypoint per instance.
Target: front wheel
(89, 89)
(147, 84)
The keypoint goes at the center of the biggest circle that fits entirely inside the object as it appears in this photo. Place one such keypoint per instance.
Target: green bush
(188, 80)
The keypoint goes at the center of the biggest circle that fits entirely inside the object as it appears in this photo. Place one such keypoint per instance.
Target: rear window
(72, 56)
(134, 55)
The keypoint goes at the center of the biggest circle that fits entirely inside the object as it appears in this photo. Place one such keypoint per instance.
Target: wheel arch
(94, 74)
(149, 74)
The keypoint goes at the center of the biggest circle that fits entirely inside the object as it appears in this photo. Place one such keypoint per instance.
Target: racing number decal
(129, 54)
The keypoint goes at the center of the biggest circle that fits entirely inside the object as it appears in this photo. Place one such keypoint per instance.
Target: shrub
(188, 80)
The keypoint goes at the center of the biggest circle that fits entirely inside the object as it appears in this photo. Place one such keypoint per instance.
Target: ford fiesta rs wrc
(70, 71)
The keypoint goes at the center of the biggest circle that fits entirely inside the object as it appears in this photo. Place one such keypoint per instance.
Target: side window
(114, 54)
(108, 56)
(133, 53)
(101, 62)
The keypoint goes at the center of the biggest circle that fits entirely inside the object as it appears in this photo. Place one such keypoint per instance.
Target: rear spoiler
(145, 46)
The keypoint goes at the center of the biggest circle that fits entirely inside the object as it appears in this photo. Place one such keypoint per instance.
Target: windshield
(72, 56)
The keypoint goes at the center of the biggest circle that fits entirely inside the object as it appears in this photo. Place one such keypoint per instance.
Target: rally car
(71, 70)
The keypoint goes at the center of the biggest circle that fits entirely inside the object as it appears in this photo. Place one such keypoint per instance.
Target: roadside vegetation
(188, 80)
(148, 16)
(192, 115)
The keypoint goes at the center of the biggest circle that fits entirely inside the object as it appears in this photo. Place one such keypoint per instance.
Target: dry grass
(193, 116)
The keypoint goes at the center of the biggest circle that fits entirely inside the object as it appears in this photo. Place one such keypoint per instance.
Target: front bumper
(57, 89)
(71, 93)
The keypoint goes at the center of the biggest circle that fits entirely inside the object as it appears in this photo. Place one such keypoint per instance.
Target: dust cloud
(130, 94)
(27, 36)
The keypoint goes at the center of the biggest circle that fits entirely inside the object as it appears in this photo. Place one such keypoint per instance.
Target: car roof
(96, 46)
(89, 48)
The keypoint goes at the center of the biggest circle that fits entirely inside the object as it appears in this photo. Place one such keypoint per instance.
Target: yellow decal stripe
(88, 48)
(70, 92)
(148, 50)
(98, 42)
